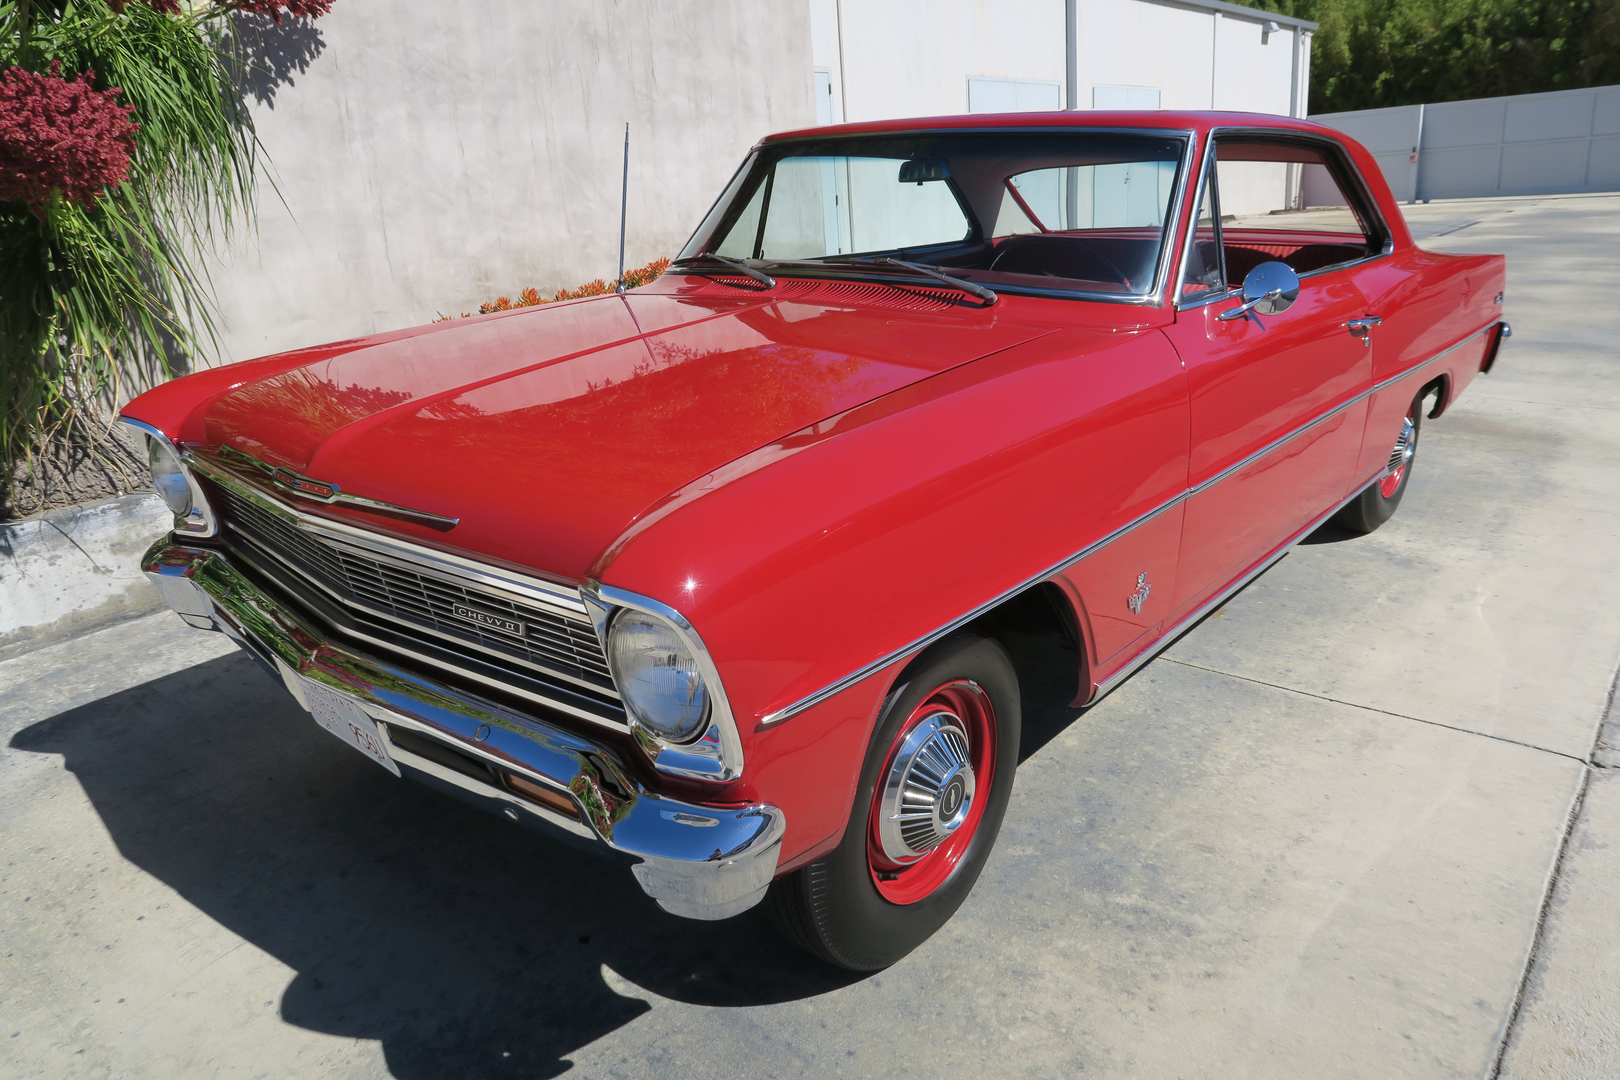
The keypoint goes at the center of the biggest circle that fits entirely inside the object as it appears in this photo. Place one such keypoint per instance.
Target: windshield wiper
(935, 272)
(736, 264)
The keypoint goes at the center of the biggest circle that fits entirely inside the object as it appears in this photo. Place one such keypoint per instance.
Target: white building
(878, 59)
(452, 153)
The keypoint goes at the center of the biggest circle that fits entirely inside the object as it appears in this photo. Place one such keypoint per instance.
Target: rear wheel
(1377, 502)
(929, 804)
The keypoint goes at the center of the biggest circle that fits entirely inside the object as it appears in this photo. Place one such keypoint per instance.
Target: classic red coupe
(733, 577)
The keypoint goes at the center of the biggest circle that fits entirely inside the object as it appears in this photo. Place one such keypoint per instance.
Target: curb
(76, 569)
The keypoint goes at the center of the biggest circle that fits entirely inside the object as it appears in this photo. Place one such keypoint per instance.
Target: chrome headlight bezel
(198, 519)
(666, 639)
(714, 754)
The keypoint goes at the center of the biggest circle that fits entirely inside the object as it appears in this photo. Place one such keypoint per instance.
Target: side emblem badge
(1139, 597)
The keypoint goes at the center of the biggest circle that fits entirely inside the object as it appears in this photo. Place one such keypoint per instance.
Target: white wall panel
(1252, 70)
(913, 57)
(1132, 43)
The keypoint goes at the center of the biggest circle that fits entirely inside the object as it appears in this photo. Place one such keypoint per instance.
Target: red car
(740, 576)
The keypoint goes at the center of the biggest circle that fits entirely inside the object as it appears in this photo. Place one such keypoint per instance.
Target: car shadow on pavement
(467, 947)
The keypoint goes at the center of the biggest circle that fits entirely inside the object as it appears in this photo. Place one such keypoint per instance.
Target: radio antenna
(624, 197)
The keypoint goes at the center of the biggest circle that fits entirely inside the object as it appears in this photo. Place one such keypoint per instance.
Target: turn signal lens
(658, 676)
(169, 476)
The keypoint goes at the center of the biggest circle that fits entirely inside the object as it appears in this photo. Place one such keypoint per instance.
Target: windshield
(1071, 211)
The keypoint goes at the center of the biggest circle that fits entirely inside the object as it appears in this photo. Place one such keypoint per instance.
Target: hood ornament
(323, 491)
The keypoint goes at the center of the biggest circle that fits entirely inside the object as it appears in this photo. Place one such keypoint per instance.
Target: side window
(1282, 200)
(1203, 271)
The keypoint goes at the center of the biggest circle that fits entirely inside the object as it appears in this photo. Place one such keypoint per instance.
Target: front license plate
(343, 717)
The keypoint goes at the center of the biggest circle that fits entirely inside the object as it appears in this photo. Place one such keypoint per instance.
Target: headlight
(169, 476)
(658, 676)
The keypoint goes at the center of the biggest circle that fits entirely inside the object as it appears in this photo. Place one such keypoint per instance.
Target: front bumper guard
(696, 861)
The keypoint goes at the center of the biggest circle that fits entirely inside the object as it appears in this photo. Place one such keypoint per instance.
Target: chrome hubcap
(928, 790)
(1405, 447)
(1399, 458)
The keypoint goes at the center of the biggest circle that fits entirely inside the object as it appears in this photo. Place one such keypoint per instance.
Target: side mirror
(920, 170)
(1270, 288)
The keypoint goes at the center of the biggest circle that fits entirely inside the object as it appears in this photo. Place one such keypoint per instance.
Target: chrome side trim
(530, 589)
(923, 642)
(956, 624)
(202, 522)
(1165, 640)
(718, 753)
(1277, 443)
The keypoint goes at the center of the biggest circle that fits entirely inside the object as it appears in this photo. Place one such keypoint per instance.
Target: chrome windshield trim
(530, 589)
(866, 671)
(1192, 235)
(1166, 260)
(717, 755)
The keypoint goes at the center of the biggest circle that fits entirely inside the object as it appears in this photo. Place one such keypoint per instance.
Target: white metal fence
(1531, 144)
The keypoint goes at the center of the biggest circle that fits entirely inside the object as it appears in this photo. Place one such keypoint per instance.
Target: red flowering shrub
(62, 135)
(298, 9)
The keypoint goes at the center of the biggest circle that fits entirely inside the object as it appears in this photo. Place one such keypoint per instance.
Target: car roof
(1163, 120)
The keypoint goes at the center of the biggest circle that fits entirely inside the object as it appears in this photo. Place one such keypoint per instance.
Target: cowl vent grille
(901, 295)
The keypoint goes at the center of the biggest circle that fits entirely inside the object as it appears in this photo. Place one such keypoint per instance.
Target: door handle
(1360, 327)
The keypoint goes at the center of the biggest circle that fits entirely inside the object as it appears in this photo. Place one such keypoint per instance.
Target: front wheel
(930, 800)
(1377, 502)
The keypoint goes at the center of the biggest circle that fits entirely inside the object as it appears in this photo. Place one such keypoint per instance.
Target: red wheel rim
(916, 834)
(1400, 459)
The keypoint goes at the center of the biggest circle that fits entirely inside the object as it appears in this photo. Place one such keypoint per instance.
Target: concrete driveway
(1323, 836)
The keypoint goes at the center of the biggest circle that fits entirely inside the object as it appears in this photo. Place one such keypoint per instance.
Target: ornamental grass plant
(125, 146)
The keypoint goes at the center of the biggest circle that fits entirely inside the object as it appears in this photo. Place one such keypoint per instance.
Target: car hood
(547, 432)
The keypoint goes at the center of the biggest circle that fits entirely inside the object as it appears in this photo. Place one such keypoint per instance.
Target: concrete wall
(72, 570)
(434, 154)
(1529, 144)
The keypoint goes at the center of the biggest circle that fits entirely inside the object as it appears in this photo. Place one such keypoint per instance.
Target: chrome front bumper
(700, 862)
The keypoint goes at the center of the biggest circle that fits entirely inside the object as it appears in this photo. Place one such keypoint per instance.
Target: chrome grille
(549, 640)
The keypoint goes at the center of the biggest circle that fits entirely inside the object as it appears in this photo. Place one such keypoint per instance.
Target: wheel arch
(1440, 386)
(1041, 632)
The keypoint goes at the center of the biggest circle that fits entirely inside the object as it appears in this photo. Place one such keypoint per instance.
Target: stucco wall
(434, 154)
